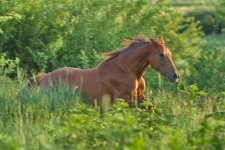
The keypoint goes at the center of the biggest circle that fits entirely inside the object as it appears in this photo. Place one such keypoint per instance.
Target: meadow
(182, 119)
(42, 36)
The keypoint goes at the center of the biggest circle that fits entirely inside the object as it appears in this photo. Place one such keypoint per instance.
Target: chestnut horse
(36, 80)
(121, 75)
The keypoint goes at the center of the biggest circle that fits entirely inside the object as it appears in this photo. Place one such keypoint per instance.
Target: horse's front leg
(132, 93)
(130, 97)
(141, 97)
(141, 90)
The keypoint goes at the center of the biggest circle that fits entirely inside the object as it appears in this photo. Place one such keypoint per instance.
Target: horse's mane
(129, 44)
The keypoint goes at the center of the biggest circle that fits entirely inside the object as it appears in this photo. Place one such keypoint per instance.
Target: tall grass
(58, 119)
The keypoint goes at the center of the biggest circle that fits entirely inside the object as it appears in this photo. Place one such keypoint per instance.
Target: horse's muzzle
(173, 77)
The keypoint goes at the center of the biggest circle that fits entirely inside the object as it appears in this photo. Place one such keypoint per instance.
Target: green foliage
(102, 131)
(58, 119)
(192, 3)
(215, 41)
(207, 70)
(221, 12)
(8, 66)
(44, 35)
(210, 131)
(48, 35)
(208, 19)
(7, 143)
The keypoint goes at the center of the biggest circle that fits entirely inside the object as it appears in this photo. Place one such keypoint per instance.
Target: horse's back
(69, 75)
(57, 76)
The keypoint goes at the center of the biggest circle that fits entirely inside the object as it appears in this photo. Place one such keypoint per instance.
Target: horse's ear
(152, 40)
(161, 39)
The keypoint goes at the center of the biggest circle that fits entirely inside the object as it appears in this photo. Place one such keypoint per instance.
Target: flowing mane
(129, 44)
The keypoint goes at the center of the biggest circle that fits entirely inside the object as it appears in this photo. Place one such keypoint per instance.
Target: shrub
(207, 70)
(208, 19)
(7, 143)
(48, 35)
(58, 119)
(8, 66)
(221, 12)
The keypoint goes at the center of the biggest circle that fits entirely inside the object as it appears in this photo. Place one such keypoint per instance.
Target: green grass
(194, 2)
(190, 5)
(183, 119)
(215, 40)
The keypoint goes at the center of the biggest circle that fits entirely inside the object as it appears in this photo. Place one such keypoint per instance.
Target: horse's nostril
(175, 76)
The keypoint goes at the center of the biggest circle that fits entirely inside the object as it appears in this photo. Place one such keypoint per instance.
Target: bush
(48, 35)
(207, 70)
(221, 12)
(7, 143)
(58, 119)
(208, 19)
(8, 66)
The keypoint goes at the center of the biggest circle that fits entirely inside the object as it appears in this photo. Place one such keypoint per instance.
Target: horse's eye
(161, 55)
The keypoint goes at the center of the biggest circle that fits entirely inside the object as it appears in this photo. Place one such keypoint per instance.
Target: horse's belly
(88, 82)
(91, 88)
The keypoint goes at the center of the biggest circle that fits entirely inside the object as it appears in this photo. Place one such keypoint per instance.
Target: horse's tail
(36, 80)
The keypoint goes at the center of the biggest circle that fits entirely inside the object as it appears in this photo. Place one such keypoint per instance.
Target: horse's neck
(135, 61)
(142, 70)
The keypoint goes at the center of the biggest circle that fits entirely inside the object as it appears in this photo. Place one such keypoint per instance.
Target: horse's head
(160, 59)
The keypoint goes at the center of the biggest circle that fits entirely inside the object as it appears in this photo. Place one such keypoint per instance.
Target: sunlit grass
(192, 5)
(216, 40)
(34, 119)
